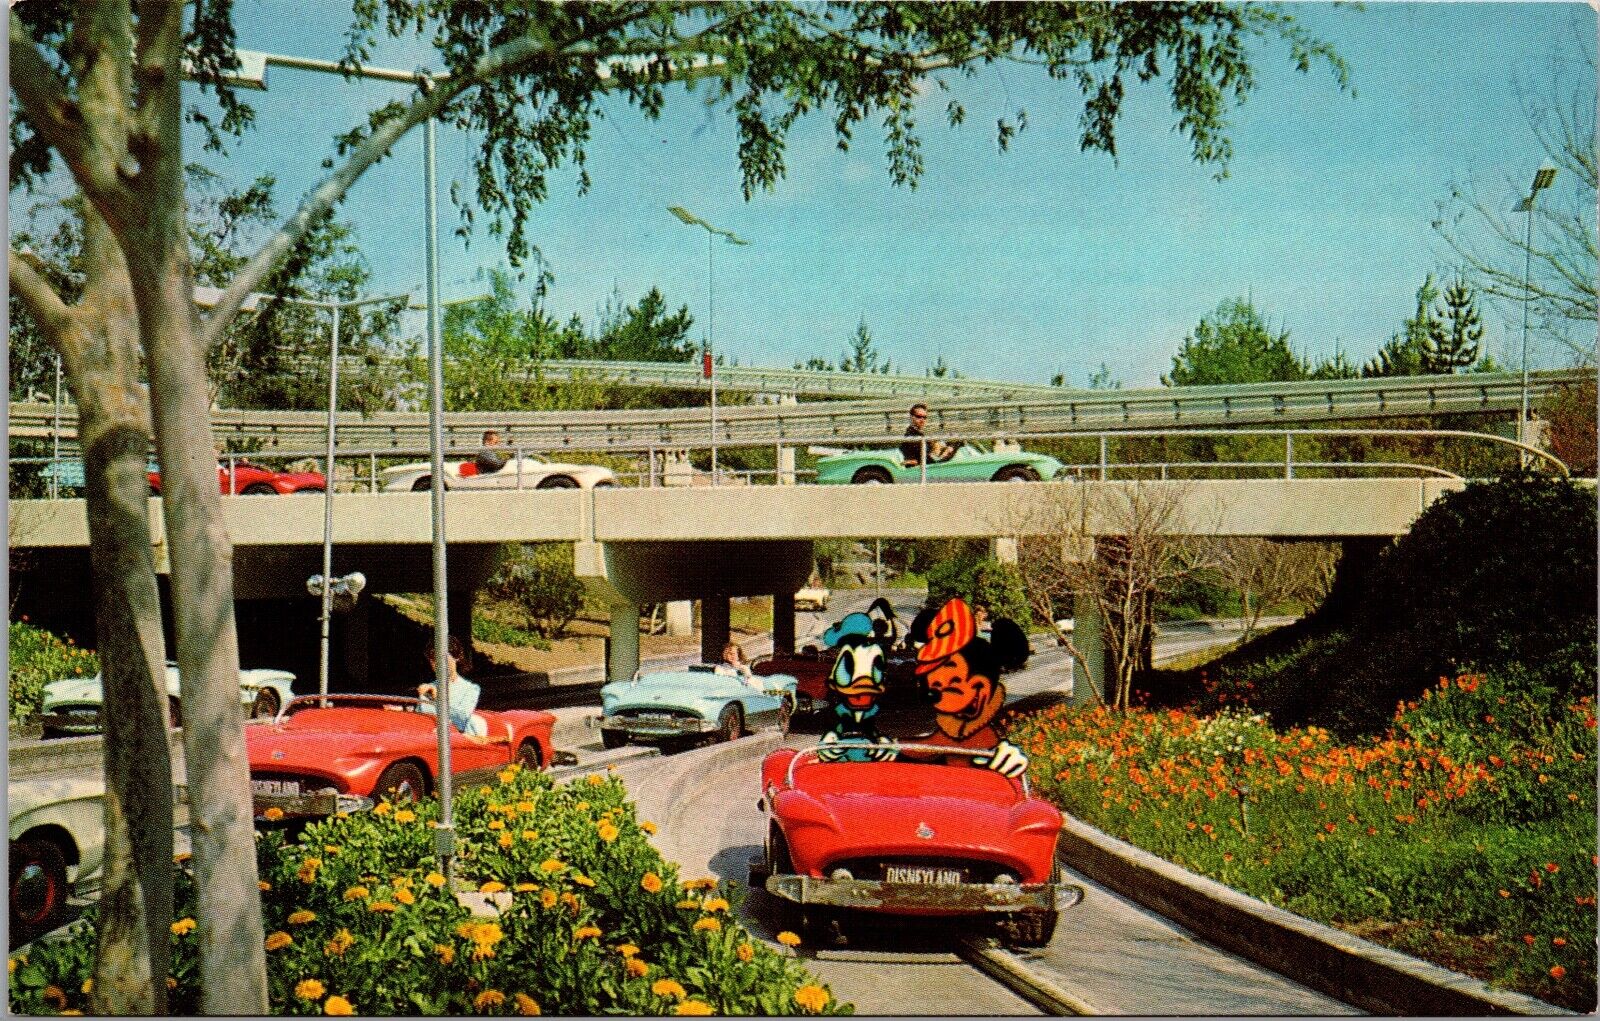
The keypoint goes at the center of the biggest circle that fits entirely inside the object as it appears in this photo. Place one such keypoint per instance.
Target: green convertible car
(968, 464)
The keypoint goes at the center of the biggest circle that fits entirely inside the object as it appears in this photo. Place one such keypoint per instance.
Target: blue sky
(1008, 265)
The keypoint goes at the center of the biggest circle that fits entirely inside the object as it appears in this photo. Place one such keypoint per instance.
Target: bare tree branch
(41, 300)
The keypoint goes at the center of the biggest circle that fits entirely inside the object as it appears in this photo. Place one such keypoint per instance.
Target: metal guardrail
(824, 422)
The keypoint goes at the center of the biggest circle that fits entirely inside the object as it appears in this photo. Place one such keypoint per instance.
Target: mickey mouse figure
(855, 685)
(962, 674)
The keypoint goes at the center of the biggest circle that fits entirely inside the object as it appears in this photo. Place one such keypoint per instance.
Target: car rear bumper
(951, 898)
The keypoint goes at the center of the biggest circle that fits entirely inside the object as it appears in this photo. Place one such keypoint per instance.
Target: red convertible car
(909, 838)
(322, 748)
(245, 479)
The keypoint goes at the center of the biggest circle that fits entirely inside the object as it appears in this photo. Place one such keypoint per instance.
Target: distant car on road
(699, 700)
(72, 705)
(57, 837)
(322, 750)
(969, 464)
(241, 478)
(522, 472)
(909, 838)
(812, 597)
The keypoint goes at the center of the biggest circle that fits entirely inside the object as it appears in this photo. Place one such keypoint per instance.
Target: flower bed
(591, 920)
(37, 658)
(1464, 835)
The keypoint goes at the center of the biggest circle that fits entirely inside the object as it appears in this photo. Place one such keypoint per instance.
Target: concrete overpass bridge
(645, 545)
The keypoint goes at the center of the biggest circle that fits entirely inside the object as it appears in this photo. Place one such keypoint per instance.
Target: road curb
(1345, 967)
(1006, 969)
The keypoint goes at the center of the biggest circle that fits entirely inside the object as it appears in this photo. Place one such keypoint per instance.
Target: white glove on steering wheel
(1008, 760)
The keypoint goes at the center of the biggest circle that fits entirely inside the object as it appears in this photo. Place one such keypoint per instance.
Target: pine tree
(1405, 353)
(1457, 346)
(861, 355)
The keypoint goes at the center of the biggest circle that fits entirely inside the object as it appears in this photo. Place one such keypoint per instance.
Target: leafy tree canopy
(1234, 345)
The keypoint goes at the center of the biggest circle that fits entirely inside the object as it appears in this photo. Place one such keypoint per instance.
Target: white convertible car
(524, 471)
(57, 846)
(72, 705)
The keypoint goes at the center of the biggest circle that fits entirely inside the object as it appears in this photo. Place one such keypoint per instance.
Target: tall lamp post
(1542, 179)
(710, 369)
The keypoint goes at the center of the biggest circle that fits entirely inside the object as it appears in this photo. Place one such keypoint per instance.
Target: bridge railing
(1104, 456)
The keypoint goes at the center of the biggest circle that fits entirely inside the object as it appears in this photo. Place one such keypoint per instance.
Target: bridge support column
(783, 623)
(785, 466)
(675, 468)
(680, 617)
(714, 627)
(1004, 549)
(1088, 635)
(622, 651)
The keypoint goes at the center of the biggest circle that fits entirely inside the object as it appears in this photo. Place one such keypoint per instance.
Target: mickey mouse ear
(1010, 643)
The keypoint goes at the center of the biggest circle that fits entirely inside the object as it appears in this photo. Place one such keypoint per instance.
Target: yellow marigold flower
(530, 835)
(402, 883)
(667, 987)
(488, 998)
(87, 987)
(648, 826)
(405, 896)
(338, 1006)
(332, 848)
(492, 886)
(651, 883)
(703, 883)
(525, 887)
(309, 989)
(587, 932)
(405, 815)
(527, 1006)
(688, 905)
(11, 966)
(547, 897)
(434, 880)
(595, 779)
(571, 901)
(446, 952)
(263, 885)
(302, 917)
(635, 967)
(693, 1008)
(382, 808)
(183, 926)
(788, 939)
(505, 840)
(508, 774)
(524, 806)
(583, 881)
(381, 907)
(812, 998)
(551, 865)
(485, 790)
(357, 893)
(582, 806)
(608, 832)
(626, 949)
(746, 952)
(272, 814)
(715, 904)
(278, 940)
(496, 824)
(79, 1013)
(708, 924)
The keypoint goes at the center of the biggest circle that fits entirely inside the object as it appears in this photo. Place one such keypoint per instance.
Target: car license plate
(655, 717)
(275, 786)
(927, 876)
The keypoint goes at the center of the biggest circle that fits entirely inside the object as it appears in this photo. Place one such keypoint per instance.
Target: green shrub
(540, 578)
(37, 658)
(592, 921)
(984, 580)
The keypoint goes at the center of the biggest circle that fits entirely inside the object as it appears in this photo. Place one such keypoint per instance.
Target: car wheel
(259, 489)
(872, 477)
(1031, 929)
(730, 725)
(38, 885)
(175, 711)
(266, 705)
(528, 756)
(557, 482)
(423, 484)
(402, 781)
(613, 738)
(1016, 473)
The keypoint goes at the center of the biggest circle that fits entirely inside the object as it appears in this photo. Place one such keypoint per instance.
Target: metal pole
(877, 566)
(1527, 286)
(444, 836)
(327, 505)
(55, 436)
(711, 319)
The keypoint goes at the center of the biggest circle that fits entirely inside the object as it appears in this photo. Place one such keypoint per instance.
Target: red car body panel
(908, 812)
(347, 747)
(244, 475)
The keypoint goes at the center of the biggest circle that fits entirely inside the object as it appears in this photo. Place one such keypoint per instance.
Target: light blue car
(697, 700)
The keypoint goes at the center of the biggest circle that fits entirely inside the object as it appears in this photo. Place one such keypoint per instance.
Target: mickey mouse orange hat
(948, 633)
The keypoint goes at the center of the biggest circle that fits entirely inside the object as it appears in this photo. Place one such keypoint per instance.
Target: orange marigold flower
(357, 893)
(405, 896)
(715, 904)
(506, 840)
(446, 952)
(812, 998)
(693, 1008)
(1559, 941)
(524, 806)
(551, 865)
(667, 987)
(608, 832)
(788, 939)
(497, 824)
(183, 926)
(527, 1006)
(648, 826)
(651, 883)
(626, 949)
(263, 885)
(583, 881)
(708, 924)
(1551, 867)
(547, 897)
(487, 999)
(492, 886)
(1505, 893)
(587, 932)
(382, 907)
(55, 996)
(434, 880)
(338, 1006)
(272, 814)
(1558, 972)
(746, 952)
(302, 917)
(530, 835)
(1527, 938)
(382, 808)
(278, 940)
(405, 815)
(635, 968)
(342, 940)
(309, 989)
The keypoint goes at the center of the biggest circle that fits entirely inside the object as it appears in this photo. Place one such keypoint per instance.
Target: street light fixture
(1542, 179)
(710, 366)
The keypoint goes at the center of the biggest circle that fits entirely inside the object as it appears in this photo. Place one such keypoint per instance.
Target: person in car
(491, 456)
(733, 662)
(463, 696)
(911, 449)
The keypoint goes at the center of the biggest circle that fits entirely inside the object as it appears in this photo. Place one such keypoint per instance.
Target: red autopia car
(323, 748)
(909, 838)
(245, 479)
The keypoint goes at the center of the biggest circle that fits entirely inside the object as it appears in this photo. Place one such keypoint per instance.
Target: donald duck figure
(855, 686)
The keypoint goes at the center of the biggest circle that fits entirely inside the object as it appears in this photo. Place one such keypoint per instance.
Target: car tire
(872, 476)
(266, 705)
(310, 491)
(39, 887)
(1016, 473)
(1030, 929)
(423, 484)
(557, 482)
(402, 781)
(730, 724)
(529, 757)
(613, 738)
(259, 489)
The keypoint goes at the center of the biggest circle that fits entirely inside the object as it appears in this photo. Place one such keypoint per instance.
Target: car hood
(897, 803)
(280, 747)
(91, 689)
